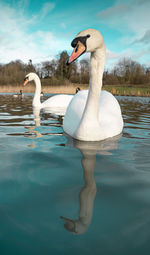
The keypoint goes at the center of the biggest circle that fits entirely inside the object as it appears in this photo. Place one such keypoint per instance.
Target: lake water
(59, 196)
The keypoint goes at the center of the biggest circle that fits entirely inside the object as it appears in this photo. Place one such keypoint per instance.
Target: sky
(40, 30)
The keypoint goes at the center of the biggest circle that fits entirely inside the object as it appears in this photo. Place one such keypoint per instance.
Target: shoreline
(71, 89)
(62, 89)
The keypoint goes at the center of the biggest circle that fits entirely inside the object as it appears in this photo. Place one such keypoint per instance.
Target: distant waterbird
(19, 95)
(42, 94)
(77, 89)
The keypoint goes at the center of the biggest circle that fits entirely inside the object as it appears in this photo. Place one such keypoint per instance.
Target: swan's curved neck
(88, 192)
(90, 119)
(96, 75)
(36, 99)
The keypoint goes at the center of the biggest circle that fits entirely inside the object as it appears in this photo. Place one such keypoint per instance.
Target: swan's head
(88, 40)
(74, 226)
(30, 77)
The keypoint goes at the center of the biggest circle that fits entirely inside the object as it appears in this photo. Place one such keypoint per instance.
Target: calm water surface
(59, 196)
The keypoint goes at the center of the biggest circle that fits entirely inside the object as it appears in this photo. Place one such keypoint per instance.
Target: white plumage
(92, 115)
(56, 104)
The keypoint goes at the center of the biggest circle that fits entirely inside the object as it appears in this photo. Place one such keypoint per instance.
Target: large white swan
(56, 104)
(92, 115)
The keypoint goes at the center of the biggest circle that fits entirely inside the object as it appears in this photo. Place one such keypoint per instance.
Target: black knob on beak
(67, 62)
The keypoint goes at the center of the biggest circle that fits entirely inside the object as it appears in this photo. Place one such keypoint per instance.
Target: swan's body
(92, 115)
(56, 104)
(109, 122)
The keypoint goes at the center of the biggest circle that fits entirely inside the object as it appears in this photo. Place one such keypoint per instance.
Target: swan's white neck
(36, 99)
(89, 123)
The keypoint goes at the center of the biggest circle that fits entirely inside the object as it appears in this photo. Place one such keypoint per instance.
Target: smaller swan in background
(56, 104)
(19, 95)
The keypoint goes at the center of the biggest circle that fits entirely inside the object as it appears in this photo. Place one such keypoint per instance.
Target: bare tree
(126, 72)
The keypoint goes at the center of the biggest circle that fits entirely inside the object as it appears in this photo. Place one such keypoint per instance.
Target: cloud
(143, 52)
(112, 55)
(17, 42)
(112, 58)
(22, 37)
(47, 7)
(49, 43)
(12, 30)
(37, 46)
(22, 4)
(63, 25)
(114, 11)
(144, 39)
(131, 17)
(141, 56)
(130, 21)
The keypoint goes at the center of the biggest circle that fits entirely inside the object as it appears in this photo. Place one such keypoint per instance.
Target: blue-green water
(59, 196)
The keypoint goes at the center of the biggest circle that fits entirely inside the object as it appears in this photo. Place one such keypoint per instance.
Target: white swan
(92, 115)
(56, 104)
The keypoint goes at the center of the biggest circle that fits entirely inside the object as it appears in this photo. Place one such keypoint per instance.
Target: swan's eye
(77, 48)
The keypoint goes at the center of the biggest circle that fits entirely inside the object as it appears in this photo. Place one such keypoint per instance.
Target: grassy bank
(128, 91)
(30, 88)
(71, 88)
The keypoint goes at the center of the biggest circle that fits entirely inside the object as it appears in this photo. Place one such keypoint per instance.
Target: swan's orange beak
(26, 80)
(77, 52)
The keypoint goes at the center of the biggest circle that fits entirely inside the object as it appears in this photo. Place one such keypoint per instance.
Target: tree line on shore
(55, 72)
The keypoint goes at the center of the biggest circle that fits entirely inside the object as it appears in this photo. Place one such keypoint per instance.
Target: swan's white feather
(110, 118)
(57, 101)
(57, 104)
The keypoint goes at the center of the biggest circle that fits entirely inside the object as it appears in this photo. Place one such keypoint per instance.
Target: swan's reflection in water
(31, 129)
(37, 118)
(87, 194)
(89, 150)
(36, 113)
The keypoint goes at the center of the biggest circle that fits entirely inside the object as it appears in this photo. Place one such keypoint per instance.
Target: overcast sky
(39, 30)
